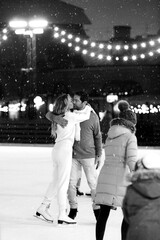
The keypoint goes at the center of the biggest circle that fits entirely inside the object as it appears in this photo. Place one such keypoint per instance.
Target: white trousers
(91, 176)
(62, 161)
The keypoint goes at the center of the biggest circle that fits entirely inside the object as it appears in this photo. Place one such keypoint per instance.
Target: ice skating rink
(25, 172)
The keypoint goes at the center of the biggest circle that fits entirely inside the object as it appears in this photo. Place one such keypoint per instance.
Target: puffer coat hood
(117, 131)
(152, 177)
(123, 122)
(141, 205)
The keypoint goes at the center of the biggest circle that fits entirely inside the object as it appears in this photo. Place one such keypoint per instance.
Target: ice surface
(25, 172)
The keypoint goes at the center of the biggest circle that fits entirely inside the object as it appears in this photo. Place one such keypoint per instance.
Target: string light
(77, 39)
(140, 55)
(59, 33)
(56, 29)
(4, 37)
(5, 30)
(63, 40)
(125, 58)
(92, 54)
(152, 43)
(109, 58)
(56, 35)
(151, 47)
(70, 36)
(134, 57)
(84, 51)
(151, 54)
(100, 56)
(126, 47)
(109, 47)
(93, 44)
(85, 42)
(134, 46)
(77, 48)
(63, 33)
(143, 45)
(118, 47)
(101, 45)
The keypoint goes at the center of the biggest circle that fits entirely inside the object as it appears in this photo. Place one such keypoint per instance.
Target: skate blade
(66, 225)
(43, 219)
(63, 222)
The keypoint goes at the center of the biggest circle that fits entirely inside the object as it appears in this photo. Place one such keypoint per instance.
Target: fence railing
(25, 132)
(35, 132)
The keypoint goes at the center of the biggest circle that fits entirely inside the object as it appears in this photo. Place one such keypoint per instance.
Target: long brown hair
(59, 108)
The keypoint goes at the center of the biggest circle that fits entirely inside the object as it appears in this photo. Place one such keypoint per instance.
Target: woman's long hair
(59, 108)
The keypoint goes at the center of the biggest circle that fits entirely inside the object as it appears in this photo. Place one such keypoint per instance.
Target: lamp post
(30, 29)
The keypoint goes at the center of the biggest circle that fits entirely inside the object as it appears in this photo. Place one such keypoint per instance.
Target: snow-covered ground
(25, 172)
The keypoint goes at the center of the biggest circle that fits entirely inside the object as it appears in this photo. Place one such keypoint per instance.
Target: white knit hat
(151, 161)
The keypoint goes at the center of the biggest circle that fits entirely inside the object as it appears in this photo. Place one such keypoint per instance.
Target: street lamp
(30, 29)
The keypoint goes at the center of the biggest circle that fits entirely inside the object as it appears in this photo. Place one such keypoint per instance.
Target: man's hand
(98, 161)
(57, 119)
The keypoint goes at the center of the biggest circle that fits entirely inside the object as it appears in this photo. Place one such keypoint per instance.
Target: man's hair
(83, 95)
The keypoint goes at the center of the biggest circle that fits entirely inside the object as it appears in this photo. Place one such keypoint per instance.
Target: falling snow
(105, 14)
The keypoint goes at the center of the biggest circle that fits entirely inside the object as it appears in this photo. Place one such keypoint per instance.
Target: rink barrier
(35, 132)
(25, 132)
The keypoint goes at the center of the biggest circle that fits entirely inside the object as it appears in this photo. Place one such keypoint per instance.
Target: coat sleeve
(124, 206)
(131, 152)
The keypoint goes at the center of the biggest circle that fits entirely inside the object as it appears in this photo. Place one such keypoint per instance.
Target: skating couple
(78, 144)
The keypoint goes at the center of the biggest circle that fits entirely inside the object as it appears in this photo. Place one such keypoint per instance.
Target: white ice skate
(43, 213)
(66, 220)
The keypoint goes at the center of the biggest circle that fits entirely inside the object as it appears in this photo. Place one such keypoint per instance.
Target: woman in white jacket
(62, 158)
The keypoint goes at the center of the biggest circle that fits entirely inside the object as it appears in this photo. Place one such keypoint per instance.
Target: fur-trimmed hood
(146, 182)
(119, 126)
(123, 122)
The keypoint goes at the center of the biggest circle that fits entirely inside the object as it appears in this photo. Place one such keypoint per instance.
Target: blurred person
(62, 157)
(105, 123)
(120, 158)
(141, 205)
(86, 155)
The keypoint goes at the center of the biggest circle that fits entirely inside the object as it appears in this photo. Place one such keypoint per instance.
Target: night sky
(142, 15)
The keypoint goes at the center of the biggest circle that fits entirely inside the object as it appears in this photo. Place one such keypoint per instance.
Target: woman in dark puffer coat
(141, 206)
